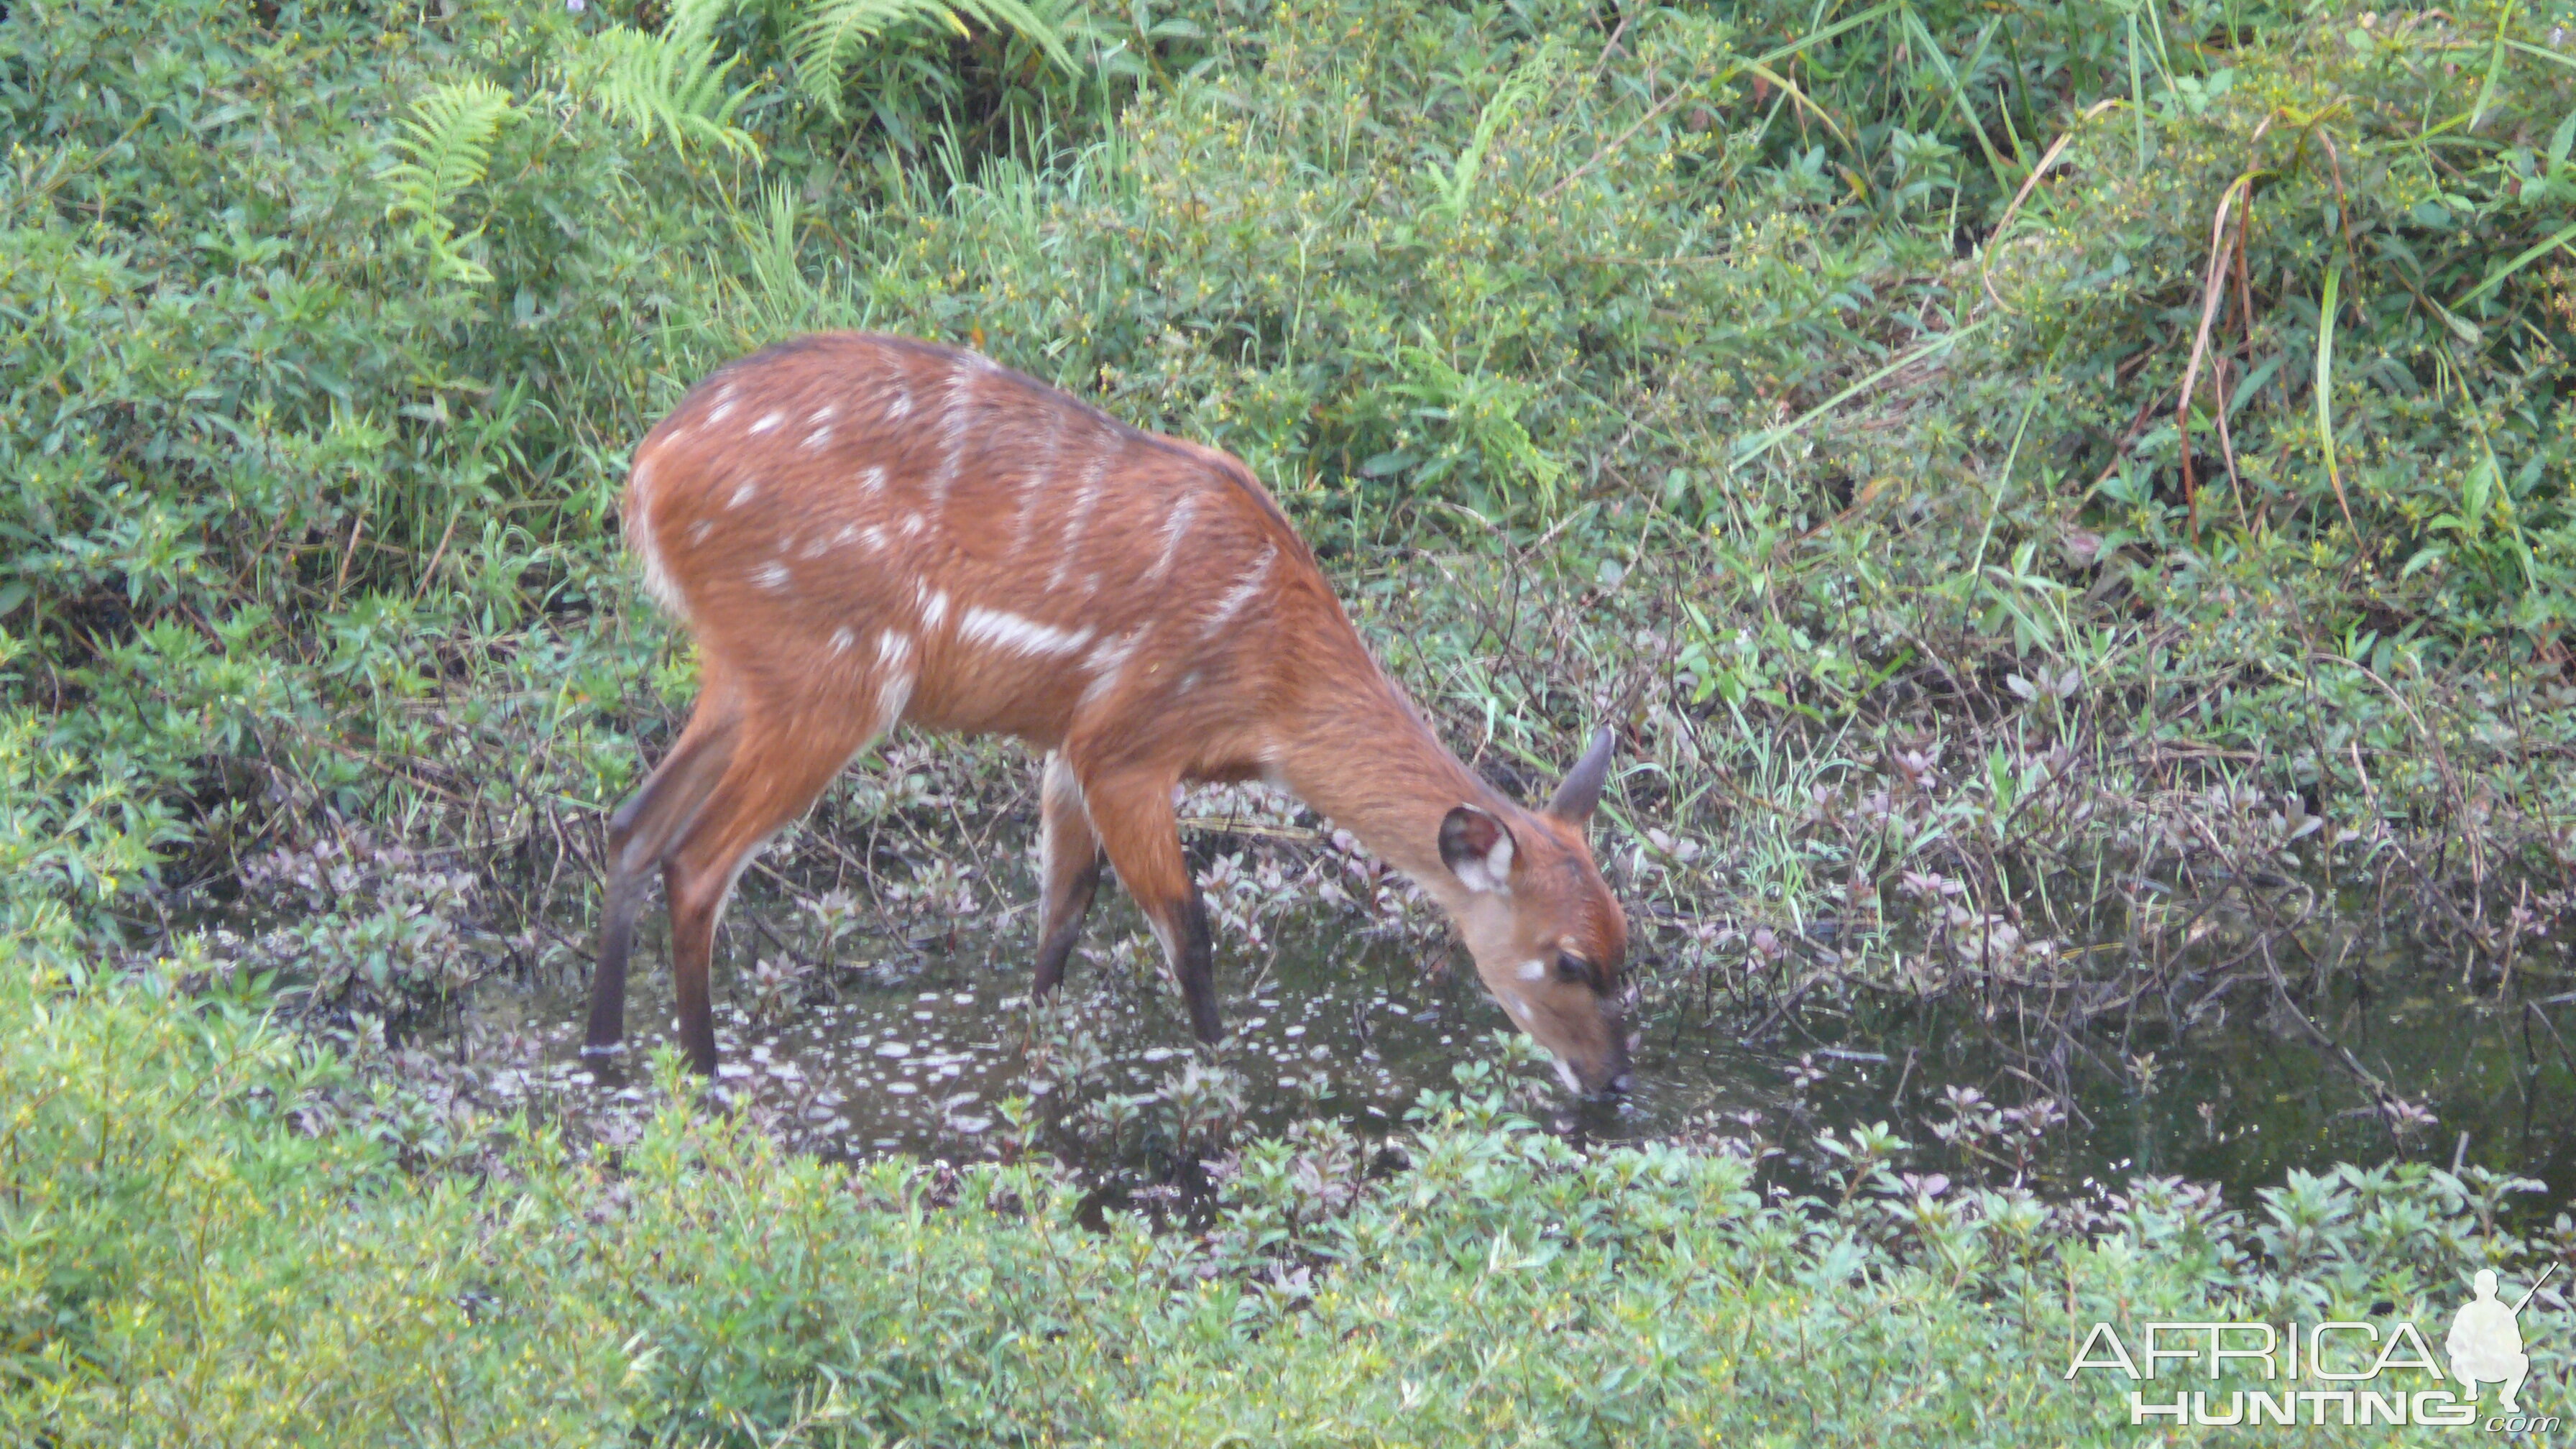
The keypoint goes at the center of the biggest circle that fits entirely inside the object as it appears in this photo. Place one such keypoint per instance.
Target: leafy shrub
(184, 1260)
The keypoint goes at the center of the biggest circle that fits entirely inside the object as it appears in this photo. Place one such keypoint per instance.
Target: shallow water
(915, 1059)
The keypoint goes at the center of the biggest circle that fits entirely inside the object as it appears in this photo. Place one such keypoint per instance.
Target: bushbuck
(863, 530)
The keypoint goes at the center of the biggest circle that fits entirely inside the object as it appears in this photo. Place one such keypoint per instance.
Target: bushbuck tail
(862, 531)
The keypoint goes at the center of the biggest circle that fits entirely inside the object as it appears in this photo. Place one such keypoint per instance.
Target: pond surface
(916, 1058)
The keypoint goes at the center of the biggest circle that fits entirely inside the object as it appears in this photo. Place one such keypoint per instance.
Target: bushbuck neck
(862, 531)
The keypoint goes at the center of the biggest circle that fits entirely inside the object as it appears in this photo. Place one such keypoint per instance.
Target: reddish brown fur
(862, 530)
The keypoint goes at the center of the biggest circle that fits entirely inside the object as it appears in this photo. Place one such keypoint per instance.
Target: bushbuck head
(1548, 939)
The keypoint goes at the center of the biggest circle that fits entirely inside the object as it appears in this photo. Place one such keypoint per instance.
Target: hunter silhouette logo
(2341, 1372)
(2485, 1344)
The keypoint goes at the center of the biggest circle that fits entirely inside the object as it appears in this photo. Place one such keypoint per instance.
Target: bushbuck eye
(1570, 967)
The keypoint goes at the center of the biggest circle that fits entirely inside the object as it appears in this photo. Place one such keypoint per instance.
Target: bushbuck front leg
(1132, 811)
(1068, 869)
(771, 779)
(640, 835)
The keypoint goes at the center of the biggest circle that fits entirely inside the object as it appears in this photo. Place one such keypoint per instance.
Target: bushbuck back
(862, 531)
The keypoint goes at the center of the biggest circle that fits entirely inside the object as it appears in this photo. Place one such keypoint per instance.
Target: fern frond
(446, 144)
(1015, 15)
(671, 84)
(835, 33)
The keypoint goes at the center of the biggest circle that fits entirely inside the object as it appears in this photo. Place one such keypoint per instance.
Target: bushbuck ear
(1477, 848)
(1575, 798)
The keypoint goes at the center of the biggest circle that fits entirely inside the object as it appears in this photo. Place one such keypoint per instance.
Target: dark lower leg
(694, 909)
(1195, 964)
(639, 834)
(608, 980)
(1133, 817)
(1069, 871)
(1057, 948)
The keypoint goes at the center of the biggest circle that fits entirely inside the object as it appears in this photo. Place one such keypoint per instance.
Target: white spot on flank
(719, 415)
(821, 415)
(742, 495)
(1533, 970)
(1021, 636)
(1172, 532)
(934, 611)
(899, 406)
(913, 523)
(699, 530)
(771, 576)
(872, 479)
(1244, 592)
(874, 538)
(817, 546)
(768, 421)
(893, 649)
(842, 639)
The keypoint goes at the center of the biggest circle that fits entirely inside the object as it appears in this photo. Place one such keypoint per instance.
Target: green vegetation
(2015, 473)
(194, 1257)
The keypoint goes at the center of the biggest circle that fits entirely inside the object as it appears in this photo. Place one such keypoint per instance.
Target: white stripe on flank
(1108, 662)
(768, 421)
(893, 651)
(1172, 532)
(657, 578)
(1242, 593)
(821, 415)
(1083, 502)
(952, 426)
(818, 440)
(892, 696)
(1021, 636)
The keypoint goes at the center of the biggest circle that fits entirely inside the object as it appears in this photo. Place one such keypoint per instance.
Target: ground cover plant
(2019, 478)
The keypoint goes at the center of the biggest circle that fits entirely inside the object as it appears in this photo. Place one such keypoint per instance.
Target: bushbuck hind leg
(773, 777)
(639, 836)
(1068, 869)
(1132, 811)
